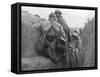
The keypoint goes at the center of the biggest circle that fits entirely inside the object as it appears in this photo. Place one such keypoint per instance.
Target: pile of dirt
(29, 33)
(30, 59)
(36, 63)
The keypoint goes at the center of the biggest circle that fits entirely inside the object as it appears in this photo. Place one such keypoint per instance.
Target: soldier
(63, 23)
(56, 25)
(48, 29)
(79, 41)
(45, 25)
(61, 51)
(76, 54)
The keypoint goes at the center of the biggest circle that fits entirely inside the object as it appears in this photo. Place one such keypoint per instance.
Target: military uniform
(45, 25)
(58, 28)
(63, 23)
(76, 54)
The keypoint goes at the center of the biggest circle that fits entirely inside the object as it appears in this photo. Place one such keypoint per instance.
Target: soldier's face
(58, 15)
(52, 19)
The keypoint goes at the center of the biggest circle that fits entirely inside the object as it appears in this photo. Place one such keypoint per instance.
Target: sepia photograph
(57, 38)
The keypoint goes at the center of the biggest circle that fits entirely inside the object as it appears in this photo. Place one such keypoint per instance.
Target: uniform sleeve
(80, 43)
(65, 26)
(62, 31)
(64, 22)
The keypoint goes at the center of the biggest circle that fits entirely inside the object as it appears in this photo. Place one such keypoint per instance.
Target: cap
(52, 15)
(58, 12)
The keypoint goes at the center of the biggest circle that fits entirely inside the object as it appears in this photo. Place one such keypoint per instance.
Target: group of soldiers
(57, 42)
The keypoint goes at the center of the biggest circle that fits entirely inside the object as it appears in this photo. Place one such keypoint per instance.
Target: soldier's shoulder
(58, 24)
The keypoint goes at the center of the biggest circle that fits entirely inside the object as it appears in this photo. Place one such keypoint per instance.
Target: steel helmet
(58, 12)
(52, 15)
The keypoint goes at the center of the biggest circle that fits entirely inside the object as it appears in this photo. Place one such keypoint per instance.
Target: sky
(75, 18)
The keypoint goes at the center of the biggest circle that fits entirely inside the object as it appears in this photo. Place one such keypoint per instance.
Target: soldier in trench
(45, 42)
(76, 53)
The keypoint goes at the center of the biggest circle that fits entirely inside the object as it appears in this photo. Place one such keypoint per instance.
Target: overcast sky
(74, 17)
